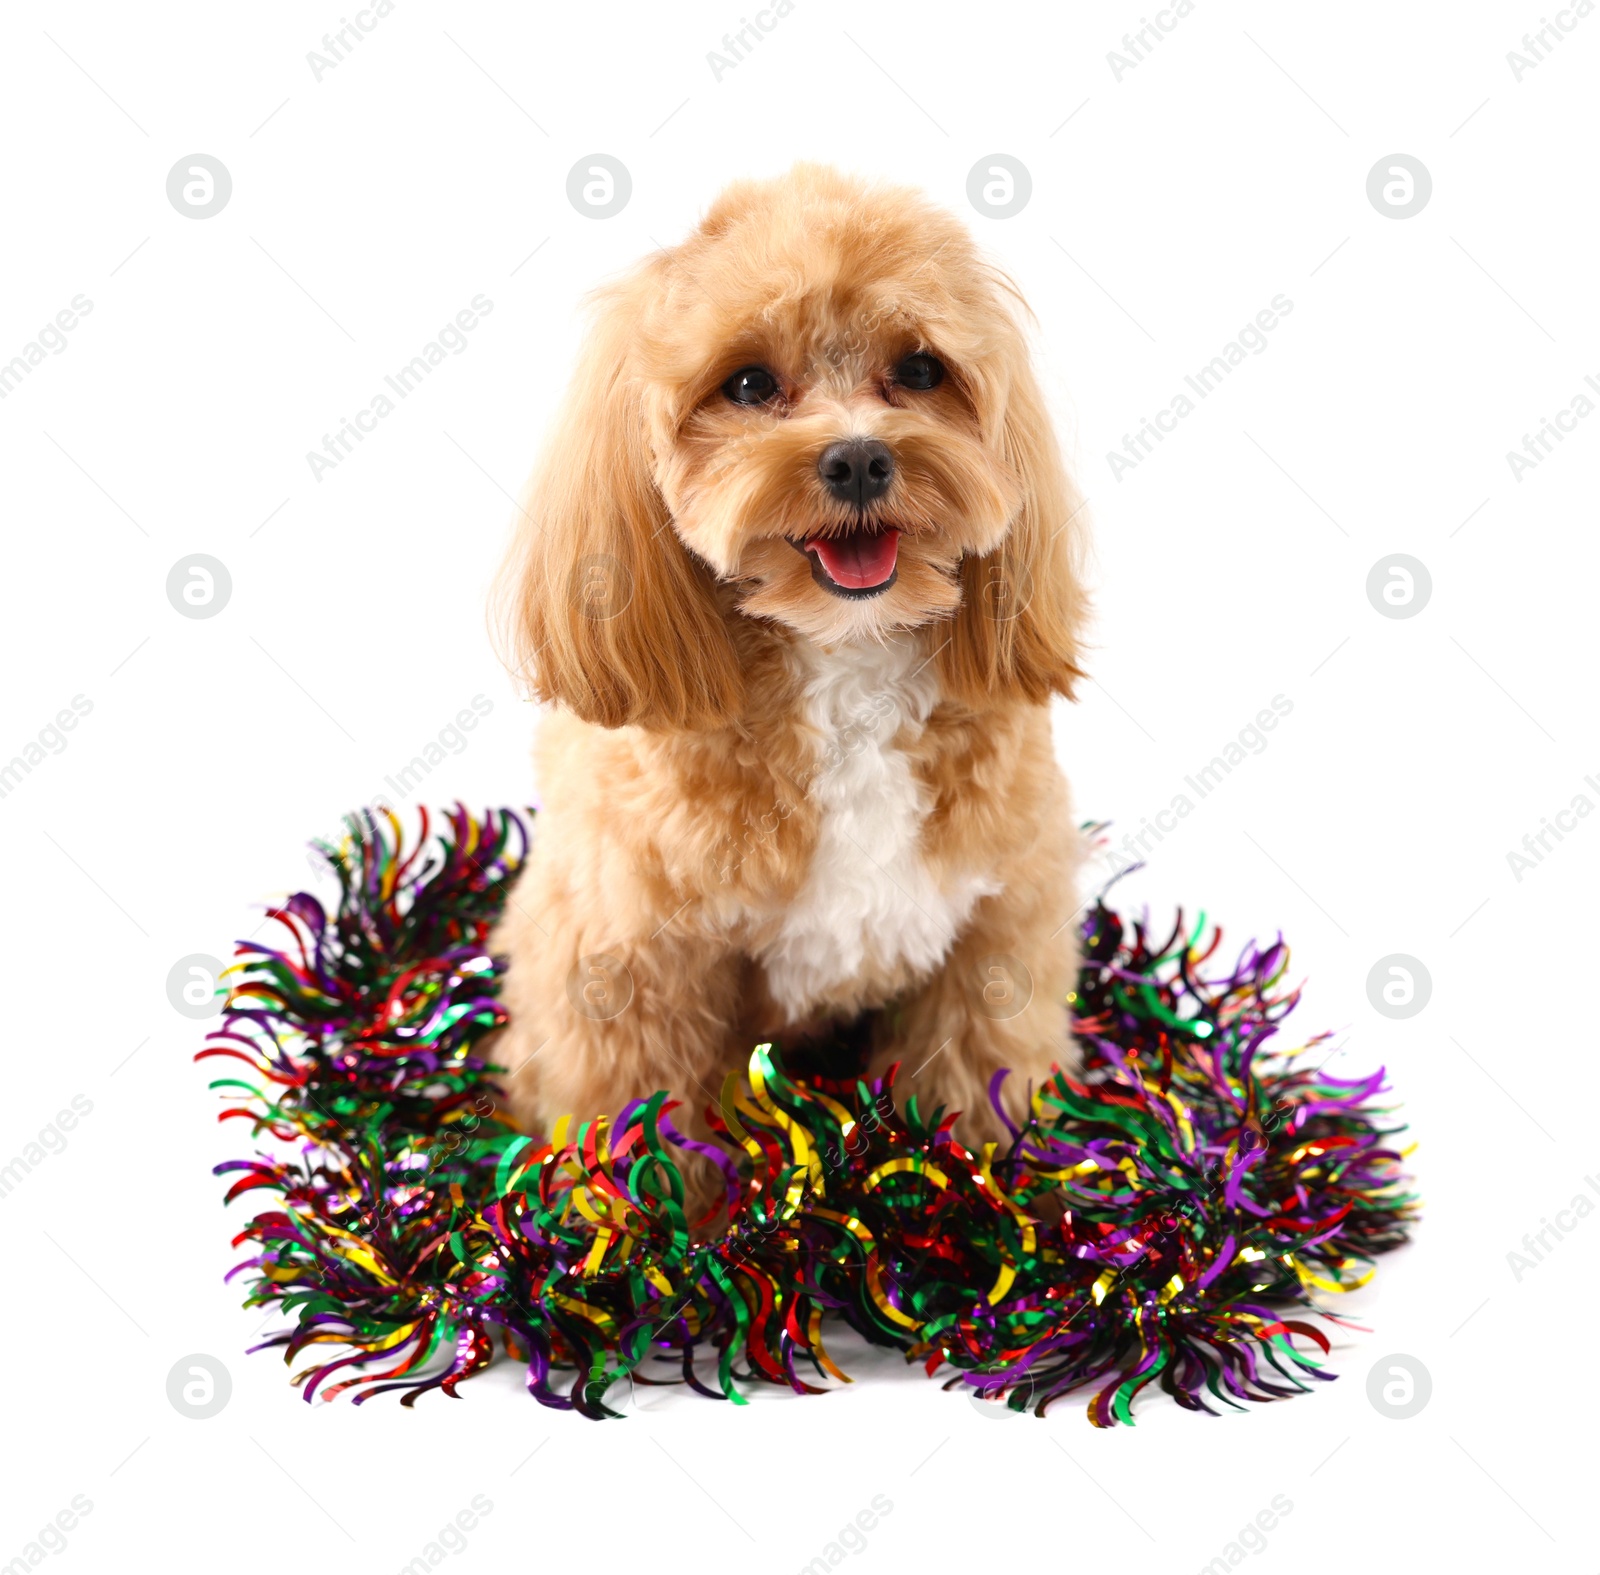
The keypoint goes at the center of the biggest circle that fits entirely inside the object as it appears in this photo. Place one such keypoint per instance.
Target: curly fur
(767, 807)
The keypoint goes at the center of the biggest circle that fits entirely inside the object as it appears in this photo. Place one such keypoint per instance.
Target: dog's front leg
(595, 1022)
(998, 1001)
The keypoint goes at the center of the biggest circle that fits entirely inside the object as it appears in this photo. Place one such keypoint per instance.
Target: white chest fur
(869, 902)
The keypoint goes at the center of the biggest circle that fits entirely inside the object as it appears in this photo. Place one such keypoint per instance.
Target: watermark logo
(999, 186)
(1251, 340)
(1537, 1245)
(1538, 445)
(740, 46)
(600, 986)
(451, 739)
(338, 47)
(1138, 47)
(52, 338)
(1399, 985)
(1538, 47)
(199, 586)
(851, 1537)
(1536, 844)
(602, 586)
(1251, 1537)
(1004, 591)
(450, 340)
(52, 1536)
(51, 739)
(599, 186)
(1251, 739)
(50, 1139)
(1399, 186)
(1399, 586)
(450, 1537)
(199, 186)
(1005, 986)
(1398, 1387)
(192, 986)
(991, 1403)
(198, 1386)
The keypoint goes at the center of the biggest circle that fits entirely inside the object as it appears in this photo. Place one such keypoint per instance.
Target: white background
(1168, 208)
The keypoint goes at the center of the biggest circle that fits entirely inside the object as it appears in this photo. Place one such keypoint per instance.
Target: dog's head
(818, 411)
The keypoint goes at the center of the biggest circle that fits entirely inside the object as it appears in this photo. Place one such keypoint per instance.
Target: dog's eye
(751, 385)
(920, 372)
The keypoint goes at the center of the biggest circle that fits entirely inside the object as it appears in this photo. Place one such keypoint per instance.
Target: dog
(800, 572)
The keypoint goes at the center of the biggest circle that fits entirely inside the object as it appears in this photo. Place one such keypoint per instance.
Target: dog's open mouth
(857, 563)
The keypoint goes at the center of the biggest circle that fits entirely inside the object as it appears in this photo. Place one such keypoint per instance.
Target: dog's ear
(600, 605)
(1019, 627)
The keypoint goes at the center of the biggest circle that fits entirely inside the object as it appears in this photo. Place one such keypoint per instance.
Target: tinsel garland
(1159, 1220)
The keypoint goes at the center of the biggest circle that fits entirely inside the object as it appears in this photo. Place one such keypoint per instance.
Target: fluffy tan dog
(800, 572)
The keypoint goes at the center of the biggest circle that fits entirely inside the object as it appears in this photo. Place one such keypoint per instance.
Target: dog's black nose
(857, 470)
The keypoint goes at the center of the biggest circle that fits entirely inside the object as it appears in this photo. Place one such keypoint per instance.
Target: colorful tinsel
(1157, 1222)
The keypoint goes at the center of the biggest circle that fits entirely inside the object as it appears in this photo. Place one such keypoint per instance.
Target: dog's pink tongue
(859, 560)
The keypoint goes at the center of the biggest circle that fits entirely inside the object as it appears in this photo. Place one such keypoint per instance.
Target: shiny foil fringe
(1161, 1221)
